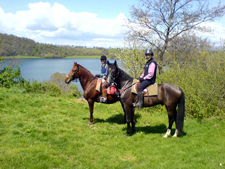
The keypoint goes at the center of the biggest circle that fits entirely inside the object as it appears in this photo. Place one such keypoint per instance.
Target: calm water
(42, 69)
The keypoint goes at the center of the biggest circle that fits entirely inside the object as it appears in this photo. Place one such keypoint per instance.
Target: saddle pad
(98, 85)
(151, 90)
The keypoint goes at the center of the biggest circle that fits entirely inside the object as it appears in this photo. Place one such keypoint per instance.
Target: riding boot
(140, 100)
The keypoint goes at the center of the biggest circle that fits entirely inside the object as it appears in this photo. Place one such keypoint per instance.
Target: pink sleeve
(151, 71)
(142, 75)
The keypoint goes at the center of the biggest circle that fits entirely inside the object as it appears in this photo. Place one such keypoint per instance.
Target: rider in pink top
(147, 78)
(151, 71)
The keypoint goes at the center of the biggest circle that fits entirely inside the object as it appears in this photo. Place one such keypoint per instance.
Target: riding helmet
(149, 52)
(103, 57)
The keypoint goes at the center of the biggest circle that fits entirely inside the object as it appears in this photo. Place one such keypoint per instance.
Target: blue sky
(76, 22)
(104, 8)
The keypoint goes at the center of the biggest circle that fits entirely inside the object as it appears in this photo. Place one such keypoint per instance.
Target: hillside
(11, 45)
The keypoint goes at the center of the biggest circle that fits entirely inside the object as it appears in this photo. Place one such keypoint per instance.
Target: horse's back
(169, 93)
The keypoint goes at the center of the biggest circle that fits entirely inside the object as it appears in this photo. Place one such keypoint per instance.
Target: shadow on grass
(158, 129)
(118, 119)
(153, 129)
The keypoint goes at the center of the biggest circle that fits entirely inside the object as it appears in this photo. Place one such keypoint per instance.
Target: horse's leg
(124, 120)
(172, 117)
(91, 107)
(129, 118)
(176, 130)
(133, 120)
(128, 129)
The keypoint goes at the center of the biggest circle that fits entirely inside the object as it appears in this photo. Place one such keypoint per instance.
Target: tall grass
(41, 131)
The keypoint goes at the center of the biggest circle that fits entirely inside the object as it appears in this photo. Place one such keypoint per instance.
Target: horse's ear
(108, 62)
(75, 63)
(115, 63)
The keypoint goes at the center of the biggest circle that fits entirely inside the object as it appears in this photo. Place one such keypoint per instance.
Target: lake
(42, 69)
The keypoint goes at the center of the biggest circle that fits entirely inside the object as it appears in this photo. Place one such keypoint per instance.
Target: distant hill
(11, 45)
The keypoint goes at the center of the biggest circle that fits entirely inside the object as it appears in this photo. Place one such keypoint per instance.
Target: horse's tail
(181, 114)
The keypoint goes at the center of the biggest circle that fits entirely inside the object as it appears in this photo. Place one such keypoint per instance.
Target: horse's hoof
(166, 136)
(133, 132)
(89, 123)
(126, 134)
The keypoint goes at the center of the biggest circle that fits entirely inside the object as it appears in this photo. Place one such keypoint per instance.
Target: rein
(121, 91)
(77, 71)
(89, 79)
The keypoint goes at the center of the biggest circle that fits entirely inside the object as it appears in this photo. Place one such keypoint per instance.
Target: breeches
(143, 85)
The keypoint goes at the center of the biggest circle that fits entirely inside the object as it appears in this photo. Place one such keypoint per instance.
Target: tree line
(11, 45)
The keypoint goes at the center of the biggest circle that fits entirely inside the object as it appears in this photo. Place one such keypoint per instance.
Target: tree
(133, 66)
(158, 22)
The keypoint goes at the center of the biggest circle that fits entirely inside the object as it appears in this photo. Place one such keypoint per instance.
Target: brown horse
(169, 95)
(88, 82)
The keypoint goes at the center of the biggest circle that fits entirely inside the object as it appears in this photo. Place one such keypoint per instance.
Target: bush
(74, 91)
(59, 80)
(45, 87)
(10, 77)
(203, 84)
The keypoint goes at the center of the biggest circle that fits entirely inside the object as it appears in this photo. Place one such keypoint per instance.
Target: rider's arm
(142, 75)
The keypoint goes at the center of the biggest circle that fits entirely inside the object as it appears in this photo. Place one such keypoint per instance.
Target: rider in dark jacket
(148, 77)
(104, 68)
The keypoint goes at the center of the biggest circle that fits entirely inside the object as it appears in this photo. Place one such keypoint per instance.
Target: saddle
(151, 90)
(98, 85)
(110, 90)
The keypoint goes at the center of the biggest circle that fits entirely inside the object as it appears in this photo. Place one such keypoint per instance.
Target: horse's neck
(124, 79)
(85, 77)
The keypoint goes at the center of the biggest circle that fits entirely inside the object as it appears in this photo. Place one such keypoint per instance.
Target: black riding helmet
(103, 57)
(149, 52)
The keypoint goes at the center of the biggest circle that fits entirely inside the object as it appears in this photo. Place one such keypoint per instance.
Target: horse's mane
(86, 72)
(124, 75)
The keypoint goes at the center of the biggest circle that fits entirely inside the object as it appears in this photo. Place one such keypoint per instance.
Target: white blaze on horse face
(108, 78)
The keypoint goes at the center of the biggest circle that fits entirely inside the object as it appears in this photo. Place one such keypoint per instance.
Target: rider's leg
(103, 98)
(140, 100)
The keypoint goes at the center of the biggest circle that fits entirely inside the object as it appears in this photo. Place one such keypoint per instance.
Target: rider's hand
(98, 75)
(141, 79)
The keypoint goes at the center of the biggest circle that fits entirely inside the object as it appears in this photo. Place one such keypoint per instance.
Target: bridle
(113, 78)
(77, 72)
(74, 72)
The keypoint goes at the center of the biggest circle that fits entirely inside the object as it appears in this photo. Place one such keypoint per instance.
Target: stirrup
(136, 105)
(102, 99)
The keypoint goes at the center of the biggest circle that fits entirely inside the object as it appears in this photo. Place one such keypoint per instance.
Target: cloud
(217, 31)
(57, 25)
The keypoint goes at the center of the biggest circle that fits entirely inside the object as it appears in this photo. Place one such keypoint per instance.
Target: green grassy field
(39, 131)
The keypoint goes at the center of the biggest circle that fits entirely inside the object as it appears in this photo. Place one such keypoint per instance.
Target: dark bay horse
(169, 95)
(88, 82)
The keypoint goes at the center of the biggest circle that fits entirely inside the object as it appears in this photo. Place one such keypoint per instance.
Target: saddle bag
(111, 90)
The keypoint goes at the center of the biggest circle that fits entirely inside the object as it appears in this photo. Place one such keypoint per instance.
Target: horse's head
(73, 74)
(113, 73)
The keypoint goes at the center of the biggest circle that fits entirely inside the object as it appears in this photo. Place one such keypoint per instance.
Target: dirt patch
(82, 100)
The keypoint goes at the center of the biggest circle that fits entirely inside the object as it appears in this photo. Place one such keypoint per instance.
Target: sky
(77, 22)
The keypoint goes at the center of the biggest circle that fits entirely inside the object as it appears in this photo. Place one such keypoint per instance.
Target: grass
(39, 131)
